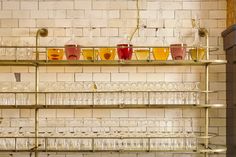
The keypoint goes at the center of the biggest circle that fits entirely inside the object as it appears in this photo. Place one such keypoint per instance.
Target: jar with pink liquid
(178, 51)
(72, 50)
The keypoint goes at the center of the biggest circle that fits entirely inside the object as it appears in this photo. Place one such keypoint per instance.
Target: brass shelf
(121, 106)
(110, 63)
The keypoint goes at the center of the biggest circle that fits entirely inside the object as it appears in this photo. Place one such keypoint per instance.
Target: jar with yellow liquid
(142, 53)
(90, 53)
(197, 53)
(107, 53)
(161, 53)
(55, 53)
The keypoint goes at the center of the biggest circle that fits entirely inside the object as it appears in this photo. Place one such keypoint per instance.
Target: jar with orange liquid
(107, 53)
(89, 53)
(54, 53)
(161, 53)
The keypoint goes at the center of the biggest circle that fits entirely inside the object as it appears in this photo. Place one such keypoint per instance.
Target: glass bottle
(196, 51)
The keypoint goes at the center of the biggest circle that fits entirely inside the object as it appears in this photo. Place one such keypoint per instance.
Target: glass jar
(72, 50)
(125, 49)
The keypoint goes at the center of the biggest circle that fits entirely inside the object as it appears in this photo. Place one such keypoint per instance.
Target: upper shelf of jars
(71, 55)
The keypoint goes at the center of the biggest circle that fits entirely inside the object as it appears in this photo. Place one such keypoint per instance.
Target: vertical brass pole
(36, 101)
(207, 95)
(36, 111)
(43, 32)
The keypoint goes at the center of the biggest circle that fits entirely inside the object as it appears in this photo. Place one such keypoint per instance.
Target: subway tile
(45, 113)
(83, 113)
(11, 5)
(28, 5)
(192, 5)
(88, 69)
(111, 69)
(21, 14)
(102, 77)
(155, 113)
(86, 4)
(5, 69)
(65, 77)
(117, 77)
(120, 113)
(141, 69)
(65, 113)
(142, 77)
(101, 113)
(11, 113)
(173, 113)
(155, 77)
(137, 113)
(83, 77)
(50, 5)
(173, 77)
(9, 23)
(47, 77)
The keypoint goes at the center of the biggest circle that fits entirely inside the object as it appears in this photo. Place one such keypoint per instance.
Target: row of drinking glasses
(126, 98)
(15, 99)
(19, 53)
(16, 86)
(100, 144)
(118, 86)
(99, 126)
(98, 86)
(155, 132)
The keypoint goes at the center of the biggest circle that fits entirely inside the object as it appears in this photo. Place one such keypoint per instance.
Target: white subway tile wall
(19, 21)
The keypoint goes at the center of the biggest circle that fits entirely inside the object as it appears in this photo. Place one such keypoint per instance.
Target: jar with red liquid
(72, 50)
(125, 49)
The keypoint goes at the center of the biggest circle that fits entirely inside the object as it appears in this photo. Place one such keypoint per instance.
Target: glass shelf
(121, 106)
(110, 63)
(108, 144)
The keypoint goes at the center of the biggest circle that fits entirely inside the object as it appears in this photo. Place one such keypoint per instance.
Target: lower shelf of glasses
(212, 149)
(126, 106)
